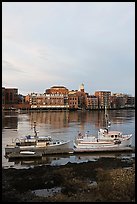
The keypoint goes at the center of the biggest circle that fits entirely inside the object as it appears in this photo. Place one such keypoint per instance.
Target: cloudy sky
(48, 43)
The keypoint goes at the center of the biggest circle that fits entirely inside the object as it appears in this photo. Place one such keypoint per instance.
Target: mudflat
(104, 180)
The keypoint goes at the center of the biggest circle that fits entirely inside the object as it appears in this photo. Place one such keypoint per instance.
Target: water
(63, 125)
(47, 192)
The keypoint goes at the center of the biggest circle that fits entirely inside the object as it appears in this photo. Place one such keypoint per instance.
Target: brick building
(91, 102)
(73, 100)
(57, 90)
(3, 97)
(11, 95)
(104, 99)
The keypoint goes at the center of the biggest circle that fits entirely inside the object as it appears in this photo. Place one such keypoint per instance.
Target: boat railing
(125, 136)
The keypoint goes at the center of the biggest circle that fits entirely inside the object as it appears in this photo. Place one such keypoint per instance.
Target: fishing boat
(105, 140)
(113, 141)
(32, 144)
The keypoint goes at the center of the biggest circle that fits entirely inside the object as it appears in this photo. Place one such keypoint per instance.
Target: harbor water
(63, 125)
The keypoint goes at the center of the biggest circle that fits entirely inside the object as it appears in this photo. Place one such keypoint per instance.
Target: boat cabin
(104, 133)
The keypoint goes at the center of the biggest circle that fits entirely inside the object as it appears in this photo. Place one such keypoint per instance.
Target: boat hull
(103, 145)
(47, 149)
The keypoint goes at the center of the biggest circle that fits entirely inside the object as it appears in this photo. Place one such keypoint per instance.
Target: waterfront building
(9, 97)
(113, 101)
(104, 99)
(81, 88)
(73, 100)
(91, 102)
(130, 102)
(39, 101)
(118, 100)
(81, 97)
(59, 97)
(56, 100)
(57, 90)
(3, 97)
(31, 98)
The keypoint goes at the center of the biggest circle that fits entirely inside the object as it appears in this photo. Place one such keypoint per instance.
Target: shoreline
(104, 180)
(63, 109)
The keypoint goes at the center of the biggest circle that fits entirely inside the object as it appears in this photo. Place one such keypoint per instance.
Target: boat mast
(35, 129)
(106, 118)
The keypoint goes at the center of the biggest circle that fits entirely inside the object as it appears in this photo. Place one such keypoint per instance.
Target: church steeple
(82, 87)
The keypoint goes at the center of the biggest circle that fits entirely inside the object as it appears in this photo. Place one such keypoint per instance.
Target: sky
(68, 43)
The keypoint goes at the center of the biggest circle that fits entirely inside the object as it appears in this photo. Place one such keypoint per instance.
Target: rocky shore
(104, 180)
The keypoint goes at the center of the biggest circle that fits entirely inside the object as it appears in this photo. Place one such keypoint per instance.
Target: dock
(121, 149)
(15, 155)
(38, 154)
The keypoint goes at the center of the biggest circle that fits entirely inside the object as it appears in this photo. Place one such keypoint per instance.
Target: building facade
(104, 99)
(91, 102)
(59, 97)
(57, 90)
(73, 100)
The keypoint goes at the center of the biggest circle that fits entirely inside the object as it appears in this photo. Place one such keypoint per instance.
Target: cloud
(68, 43)
(8, 66)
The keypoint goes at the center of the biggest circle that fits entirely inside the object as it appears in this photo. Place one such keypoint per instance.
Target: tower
(81, 87)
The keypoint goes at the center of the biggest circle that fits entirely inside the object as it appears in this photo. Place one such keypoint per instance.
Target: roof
(59, 87)
(114, 132)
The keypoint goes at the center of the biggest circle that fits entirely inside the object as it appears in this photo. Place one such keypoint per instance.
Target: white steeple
(81, 87)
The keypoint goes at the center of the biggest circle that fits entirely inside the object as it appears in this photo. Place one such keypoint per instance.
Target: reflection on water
(47, 192)
(9, 120)
(62, 125)
(61, 119)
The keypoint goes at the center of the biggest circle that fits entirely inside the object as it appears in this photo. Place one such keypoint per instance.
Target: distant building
(3, 97)
(58, 101)
(59, 97)
(73, 100)
(118, 100)
(130, 102)
(82, 88)
(57, 90)
(11, 96)
(103, 99)
(31, 98)
(113, 101)
(91, 102)
(54, 98)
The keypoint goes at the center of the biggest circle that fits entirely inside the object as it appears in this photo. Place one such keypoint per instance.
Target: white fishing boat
(105, 140)
(113, 141)
(32, 144)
